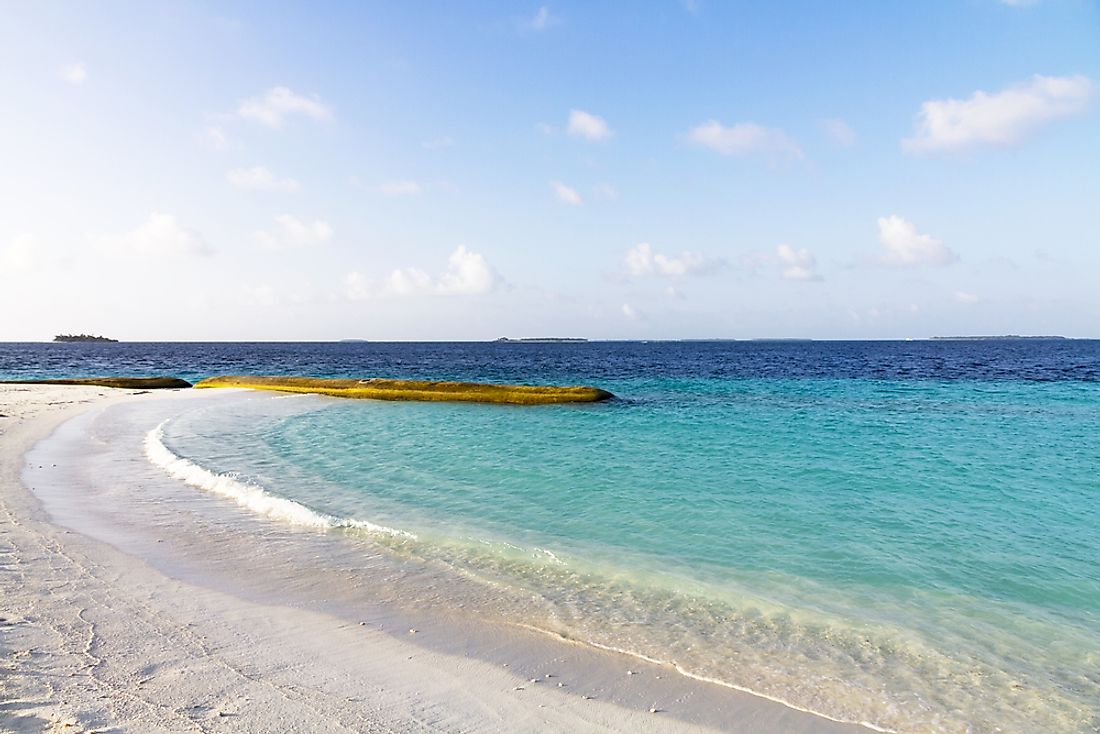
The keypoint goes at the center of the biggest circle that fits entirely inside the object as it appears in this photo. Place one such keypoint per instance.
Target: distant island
(1006, 337)
(81, 338)
(543, 340)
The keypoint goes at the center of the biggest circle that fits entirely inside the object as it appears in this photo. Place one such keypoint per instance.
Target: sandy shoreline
(95, 639)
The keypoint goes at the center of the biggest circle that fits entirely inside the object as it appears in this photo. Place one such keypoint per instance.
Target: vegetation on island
(380, 389)
(82, 338)
(127, 383)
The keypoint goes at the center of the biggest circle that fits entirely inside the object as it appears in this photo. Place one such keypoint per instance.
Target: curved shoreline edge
(185, 641)
(421, 390)
(124, 383)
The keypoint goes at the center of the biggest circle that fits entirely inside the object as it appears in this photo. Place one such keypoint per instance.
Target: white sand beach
(95, 639)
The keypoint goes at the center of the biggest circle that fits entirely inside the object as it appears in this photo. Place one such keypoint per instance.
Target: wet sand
(107, 630)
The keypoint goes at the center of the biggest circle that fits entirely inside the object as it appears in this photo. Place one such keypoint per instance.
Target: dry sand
(95, 640)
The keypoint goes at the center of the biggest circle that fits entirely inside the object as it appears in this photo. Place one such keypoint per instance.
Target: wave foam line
(705, 679)
(250, 496)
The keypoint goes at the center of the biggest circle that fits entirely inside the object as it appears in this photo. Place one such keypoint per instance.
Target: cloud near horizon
(161, 235)
(797, 264)
(642, 259)
(905, 247)
(468, 273)
(1003, 118)
(19, 255)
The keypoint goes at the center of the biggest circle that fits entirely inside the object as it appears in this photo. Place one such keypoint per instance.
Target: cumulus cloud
(840, 131)
(290, 233)
(1002, 118)
(277, 104)
(644, 260)
(161, 235)
(468, 273)
(18, 256)
(75, 73)
(259, 178)
(588, 126)
(744, 138)
(398, 188)
(797, 264)
(566, 194)
(630, 312)
(904, 246)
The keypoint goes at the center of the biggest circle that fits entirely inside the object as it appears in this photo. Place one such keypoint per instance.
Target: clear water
(906, 536)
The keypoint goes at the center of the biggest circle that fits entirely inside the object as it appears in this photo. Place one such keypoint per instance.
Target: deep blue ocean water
(899, 533)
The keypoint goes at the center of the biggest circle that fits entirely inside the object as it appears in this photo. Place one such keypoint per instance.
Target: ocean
(900, 534)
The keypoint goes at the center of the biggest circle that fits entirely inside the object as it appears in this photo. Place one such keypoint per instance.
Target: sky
(653, 170)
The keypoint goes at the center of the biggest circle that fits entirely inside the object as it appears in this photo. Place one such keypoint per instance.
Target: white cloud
(543, 19)
(290, 233)
(259, 178)
(279, 103)
(18, 256)
(588, 126)
(438, 143)
(797, 264)
(468, 273)
(356, 286)
(566, 194)
(630, 312)
(75, 73)
(743, 138)
(643, 260)
(1002, 118)
(965, 297)
(262, 296)
(161, 235)
(398, 188)
(692, 6)
(607, 192)
(905, 247)
(214, 138)
(840, 131)
(546, 128)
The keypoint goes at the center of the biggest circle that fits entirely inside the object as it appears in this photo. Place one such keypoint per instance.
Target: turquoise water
(915, 555)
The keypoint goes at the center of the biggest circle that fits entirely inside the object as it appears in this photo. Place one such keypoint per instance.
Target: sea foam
(250, 496)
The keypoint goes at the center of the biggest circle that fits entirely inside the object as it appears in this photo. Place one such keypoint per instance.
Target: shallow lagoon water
(918, 556)
(903, 535)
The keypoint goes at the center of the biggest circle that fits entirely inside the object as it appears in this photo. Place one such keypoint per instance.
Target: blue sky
(466, 171)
